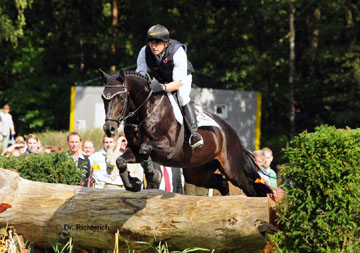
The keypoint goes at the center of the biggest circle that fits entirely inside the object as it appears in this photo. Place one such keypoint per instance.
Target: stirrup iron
(198, 144)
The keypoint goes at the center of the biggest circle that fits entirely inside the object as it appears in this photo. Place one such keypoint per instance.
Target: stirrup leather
(197, 144)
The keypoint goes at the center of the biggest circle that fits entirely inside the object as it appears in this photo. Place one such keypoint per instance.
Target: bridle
(122, 116)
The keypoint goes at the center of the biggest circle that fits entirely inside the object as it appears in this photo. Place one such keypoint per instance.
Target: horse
(153, 132)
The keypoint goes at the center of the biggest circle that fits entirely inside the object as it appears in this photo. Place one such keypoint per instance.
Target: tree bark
(47, 213)
(292, 66)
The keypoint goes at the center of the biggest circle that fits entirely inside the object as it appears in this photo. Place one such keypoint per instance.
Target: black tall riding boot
(196, 141)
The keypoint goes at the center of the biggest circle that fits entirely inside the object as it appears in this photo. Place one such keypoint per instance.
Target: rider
(166, 61)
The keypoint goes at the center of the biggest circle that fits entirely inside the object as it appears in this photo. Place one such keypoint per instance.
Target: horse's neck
(152, 107)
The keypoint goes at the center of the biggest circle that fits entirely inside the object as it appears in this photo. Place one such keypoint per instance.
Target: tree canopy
(241, 45)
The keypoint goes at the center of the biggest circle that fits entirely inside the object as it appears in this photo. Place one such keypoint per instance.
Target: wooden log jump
(46, 213)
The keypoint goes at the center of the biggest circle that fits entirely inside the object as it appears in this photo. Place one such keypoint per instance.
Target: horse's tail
(251, 171)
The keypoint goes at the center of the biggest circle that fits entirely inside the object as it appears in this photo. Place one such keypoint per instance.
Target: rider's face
(157, 47)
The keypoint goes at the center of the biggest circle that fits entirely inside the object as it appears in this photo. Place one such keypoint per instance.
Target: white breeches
(184, 90)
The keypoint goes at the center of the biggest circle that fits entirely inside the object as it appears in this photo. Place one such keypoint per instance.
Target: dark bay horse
(152, 131)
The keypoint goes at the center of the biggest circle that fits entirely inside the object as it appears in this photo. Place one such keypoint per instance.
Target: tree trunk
(114, 25)
(47, 213)
(292, 66)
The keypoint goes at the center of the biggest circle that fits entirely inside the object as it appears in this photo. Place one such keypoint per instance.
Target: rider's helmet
(157, 33)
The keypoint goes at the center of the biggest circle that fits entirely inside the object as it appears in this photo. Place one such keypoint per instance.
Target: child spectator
(266, 169)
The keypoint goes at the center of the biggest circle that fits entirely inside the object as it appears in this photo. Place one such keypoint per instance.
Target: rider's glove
(156, 86)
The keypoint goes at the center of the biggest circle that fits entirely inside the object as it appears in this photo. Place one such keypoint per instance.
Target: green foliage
(322, 210)
(50, 168)
(12, 19)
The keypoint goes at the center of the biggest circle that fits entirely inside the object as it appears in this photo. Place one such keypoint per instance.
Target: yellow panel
(72, 109)
(258, 122)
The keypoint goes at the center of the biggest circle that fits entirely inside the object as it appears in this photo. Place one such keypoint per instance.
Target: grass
(58, 139)
(12, 243)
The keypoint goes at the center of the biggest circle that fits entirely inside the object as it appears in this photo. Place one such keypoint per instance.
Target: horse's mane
(136, 74)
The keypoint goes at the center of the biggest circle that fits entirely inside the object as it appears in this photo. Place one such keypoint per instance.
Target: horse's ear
(104, 75)
(121, 77)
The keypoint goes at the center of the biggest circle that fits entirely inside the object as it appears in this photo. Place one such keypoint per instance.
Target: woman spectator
(33, 144)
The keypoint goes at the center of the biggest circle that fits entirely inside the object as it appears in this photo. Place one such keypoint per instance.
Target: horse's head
(115, 97)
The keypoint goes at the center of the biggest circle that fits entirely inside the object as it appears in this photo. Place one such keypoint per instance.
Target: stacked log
(48, 213)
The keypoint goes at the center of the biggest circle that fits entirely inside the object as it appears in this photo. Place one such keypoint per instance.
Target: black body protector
(163, 70)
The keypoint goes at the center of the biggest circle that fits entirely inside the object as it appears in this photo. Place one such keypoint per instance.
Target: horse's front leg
(130, 183)
(152, 174)
(145, 149)
(161, 147)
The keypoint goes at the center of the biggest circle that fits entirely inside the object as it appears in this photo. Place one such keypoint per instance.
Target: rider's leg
(196, 141)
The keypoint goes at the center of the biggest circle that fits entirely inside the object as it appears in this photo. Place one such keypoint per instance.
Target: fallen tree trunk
(47, 213)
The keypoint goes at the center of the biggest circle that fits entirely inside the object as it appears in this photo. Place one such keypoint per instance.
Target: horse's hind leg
(204, 176)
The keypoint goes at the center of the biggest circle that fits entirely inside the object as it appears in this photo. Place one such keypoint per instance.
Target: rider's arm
(180, 70)
(141, 67)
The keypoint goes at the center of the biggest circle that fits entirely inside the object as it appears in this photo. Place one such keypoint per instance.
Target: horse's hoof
(153, 178)
(136, 185)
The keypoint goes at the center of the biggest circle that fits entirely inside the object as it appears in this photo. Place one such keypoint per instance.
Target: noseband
(118, 89)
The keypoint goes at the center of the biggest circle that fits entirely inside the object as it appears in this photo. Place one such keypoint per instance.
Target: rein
(136, 126)
(131, 114)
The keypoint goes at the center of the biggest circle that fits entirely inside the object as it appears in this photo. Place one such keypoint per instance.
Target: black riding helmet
(157, 33)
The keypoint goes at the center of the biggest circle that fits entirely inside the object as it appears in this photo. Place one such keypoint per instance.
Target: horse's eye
(121, 98)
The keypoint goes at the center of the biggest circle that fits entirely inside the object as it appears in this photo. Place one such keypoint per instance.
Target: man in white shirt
(98, 160)
(135, 170)
(166, 61)
(7, 126)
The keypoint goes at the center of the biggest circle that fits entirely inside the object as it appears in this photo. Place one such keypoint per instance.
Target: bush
(322, 210)
(50, 168)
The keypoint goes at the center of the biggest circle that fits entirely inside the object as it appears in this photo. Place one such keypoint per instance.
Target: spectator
(259, 157)
(266, 169)
(82, 161)
(88, 148)
(135, 170)
(7, 126)
(98, 160)
(18, 148)
(47, 149)
(32, 144)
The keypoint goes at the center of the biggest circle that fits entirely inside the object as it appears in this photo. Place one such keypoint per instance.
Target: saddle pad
(202, 118)
(176, 109)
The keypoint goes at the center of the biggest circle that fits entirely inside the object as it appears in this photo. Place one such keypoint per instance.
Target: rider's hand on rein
(156, 86)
